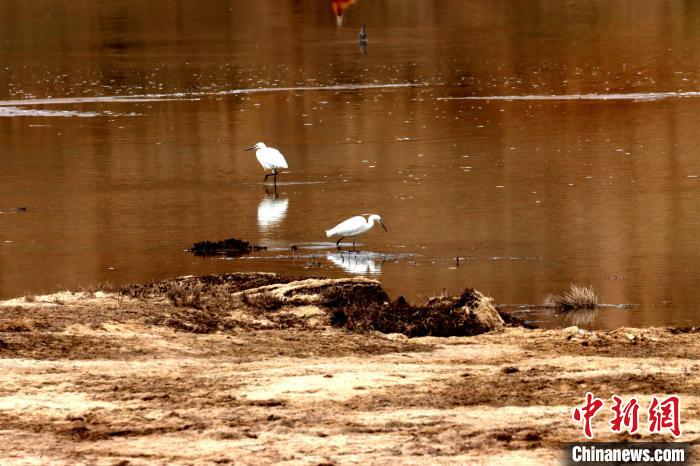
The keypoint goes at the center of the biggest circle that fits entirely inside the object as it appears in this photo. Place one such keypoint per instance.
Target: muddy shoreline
(216, 373)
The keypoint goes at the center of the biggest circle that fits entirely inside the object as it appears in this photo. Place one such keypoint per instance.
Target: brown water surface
(590, 175)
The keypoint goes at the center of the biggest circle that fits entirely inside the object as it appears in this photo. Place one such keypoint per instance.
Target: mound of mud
(208, 286)
(471, 313)
(211, 303)
(220, 302)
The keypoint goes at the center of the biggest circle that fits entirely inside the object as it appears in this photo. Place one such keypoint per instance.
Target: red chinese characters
(665, 414)
(587, 412)
(626, 416)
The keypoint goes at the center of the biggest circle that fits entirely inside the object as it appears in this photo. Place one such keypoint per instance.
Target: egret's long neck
(370, 221)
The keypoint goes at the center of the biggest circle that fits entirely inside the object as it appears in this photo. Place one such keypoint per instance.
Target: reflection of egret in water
(356, 263)
(271, 211)
(339, 6)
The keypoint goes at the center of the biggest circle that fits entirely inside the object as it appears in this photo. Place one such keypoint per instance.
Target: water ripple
(194, 95)
(630, 96)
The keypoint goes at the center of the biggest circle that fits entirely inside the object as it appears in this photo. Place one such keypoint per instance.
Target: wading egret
(354, 226)
(270, 159)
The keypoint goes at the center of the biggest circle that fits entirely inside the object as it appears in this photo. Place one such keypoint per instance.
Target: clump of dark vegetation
(263, 302)
(440, 316)
(228, 247)
(346, 295)
(104, 287)
(578, 297)
(681, 330)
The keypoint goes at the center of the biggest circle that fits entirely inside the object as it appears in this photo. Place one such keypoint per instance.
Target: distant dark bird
(362, 36)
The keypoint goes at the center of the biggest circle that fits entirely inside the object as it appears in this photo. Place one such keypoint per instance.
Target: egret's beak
(383, 226)
(251, 148)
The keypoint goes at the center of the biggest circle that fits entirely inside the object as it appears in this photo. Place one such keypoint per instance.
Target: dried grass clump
(578, 297)
(185, 294)
(104, 287)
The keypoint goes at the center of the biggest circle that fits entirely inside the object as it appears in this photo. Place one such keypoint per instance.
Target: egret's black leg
(353, 245)
(265, 179)
(337, 243)
(274, 172)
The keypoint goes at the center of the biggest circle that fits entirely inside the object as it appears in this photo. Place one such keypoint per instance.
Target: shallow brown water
(596, 186)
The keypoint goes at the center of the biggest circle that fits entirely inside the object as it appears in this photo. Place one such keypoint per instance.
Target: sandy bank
(162, 376)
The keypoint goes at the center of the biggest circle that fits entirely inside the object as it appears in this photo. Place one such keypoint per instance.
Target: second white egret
(270, 159)
(354, 226)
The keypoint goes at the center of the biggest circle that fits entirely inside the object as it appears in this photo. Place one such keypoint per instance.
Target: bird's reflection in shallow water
(356, 263)
(271, 211)
(363, 47)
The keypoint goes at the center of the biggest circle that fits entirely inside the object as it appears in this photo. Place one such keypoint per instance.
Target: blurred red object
(339, 6)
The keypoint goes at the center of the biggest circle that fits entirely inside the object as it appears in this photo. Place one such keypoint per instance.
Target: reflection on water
(338, 7)
(356, 263)
(14, 112)
(124, 137)
(583, 318)
(271, 211)
(639, 96)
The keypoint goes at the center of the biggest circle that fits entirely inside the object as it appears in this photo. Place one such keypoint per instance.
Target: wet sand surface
(105, 378)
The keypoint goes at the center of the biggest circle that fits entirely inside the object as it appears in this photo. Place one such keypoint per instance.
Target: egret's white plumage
(354, 226)
(270, 158)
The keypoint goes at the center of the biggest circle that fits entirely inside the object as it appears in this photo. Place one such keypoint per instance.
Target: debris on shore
(357, 304)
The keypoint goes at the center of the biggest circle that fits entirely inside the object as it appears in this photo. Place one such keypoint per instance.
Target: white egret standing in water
(354, 226)
(270, 159)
